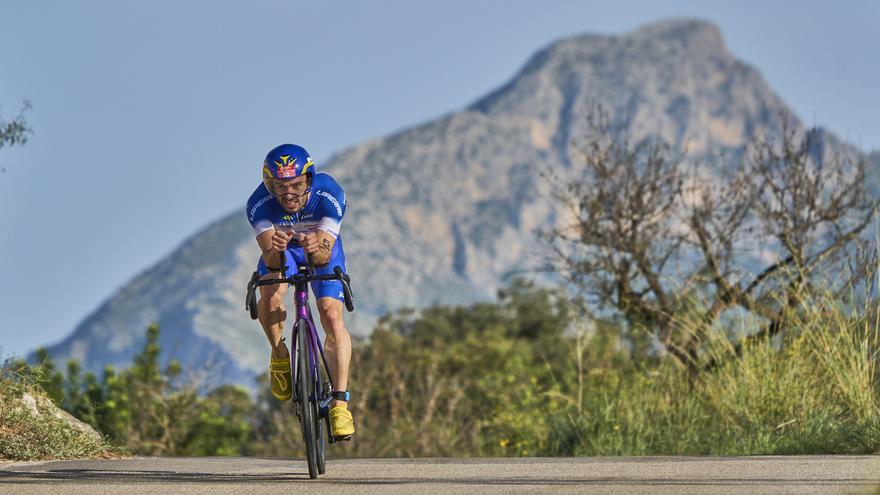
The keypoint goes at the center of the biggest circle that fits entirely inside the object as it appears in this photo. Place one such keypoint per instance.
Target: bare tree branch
(634, 214)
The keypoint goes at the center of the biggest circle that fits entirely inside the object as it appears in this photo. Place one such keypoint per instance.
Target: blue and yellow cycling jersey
(323, 211)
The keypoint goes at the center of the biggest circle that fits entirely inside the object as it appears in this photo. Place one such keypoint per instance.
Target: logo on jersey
(259, 204)
(332, 200)
(286, 224)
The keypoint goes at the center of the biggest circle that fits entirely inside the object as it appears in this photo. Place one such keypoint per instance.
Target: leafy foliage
(15, 131)
(522, 376)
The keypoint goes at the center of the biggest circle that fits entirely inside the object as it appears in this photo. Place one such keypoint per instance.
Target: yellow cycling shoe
(279, 375)
(341, 423)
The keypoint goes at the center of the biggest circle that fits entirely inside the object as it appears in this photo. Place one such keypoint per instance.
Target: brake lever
(251, 291)
(346, 288)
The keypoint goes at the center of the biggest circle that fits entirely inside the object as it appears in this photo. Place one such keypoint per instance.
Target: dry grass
(26, 436)
(814, 391)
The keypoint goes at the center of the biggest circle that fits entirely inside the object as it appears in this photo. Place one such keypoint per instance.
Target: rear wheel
(305, 383)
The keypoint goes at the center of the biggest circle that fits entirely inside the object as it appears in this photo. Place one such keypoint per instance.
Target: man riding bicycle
(296, 213)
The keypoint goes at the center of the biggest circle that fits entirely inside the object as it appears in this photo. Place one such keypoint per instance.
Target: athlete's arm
(330, 209)
(319, 246)
(272, 242)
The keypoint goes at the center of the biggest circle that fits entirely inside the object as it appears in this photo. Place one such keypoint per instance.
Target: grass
(25, 436)
(817, 391)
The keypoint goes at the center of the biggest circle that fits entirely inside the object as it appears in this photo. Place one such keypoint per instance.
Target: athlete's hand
(309, 242)
(280, 239)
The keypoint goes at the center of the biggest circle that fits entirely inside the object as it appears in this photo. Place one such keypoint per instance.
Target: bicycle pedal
(341, 438)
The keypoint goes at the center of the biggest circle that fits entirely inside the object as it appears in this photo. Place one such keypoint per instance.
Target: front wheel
(321, 437)
(320, 431)
(305, 383)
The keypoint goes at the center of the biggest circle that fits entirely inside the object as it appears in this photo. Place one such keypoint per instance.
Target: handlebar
(299, 278)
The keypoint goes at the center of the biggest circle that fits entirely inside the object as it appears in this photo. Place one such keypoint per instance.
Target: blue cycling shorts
(296, 257)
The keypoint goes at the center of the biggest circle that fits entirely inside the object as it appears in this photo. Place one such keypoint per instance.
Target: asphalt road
(642, 475)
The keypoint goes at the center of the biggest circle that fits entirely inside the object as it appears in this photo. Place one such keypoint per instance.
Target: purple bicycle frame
(303, 312)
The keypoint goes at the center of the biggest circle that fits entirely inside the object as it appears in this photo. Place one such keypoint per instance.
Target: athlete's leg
(337, 344)
(272, 313)
(337, 347)
(270, 308)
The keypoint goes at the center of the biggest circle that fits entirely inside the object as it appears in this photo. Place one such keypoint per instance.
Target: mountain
(446, 211)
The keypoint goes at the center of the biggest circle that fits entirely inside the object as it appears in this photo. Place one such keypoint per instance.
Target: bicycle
(311, 397)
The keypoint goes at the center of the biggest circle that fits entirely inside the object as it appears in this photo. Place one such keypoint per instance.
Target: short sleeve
(331, 208)
(257, 211)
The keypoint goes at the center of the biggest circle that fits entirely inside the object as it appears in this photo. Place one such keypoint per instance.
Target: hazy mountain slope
(444, 211)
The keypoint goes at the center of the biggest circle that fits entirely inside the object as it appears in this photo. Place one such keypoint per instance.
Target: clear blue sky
(151, 118)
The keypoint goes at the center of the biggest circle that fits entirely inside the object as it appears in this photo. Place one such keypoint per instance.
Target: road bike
(312, 388)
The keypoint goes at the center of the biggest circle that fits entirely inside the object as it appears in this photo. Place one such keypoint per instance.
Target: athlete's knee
(273, 303)
(273, 300)
(331, 314)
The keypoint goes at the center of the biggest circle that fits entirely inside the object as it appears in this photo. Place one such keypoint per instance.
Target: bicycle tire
(320, 433)
(305, 388)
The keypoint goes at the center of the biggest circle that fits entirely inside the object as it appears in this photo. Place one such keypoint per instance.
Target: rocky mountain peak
(675, 77)
(693, 36)
(674, 38)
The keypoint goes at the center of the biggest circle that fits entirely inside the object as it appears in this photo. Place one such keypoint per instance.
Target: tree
(50, 379)
(651, 238)
(14, 131)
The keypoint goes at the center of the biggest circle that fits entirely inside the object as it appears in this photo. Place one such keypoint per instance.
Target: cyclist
(296, 213)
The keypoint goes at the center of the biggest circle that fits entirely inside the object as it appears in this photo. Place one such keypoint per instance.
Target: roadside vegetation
(514, 384)
(518, 377)
(31, 427)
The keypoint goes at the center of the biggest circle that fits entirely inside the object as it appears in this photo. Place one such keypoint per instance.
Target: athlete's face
(291, 193)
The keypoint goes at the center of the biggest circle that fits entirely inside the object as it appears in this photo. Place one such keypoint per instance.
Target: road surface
(624, 475)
